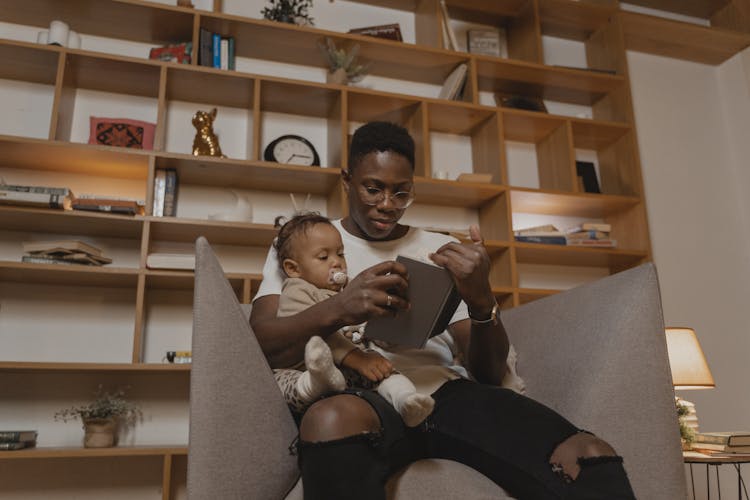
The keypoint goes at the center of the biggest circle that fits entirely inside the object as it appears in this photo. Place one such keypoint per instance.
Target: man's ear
(291, 268)
(346, 178)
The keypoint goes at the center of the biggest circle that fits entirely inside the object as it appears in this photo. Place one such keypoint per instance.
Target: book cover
(160, 185)
(216, 47)
(737, 438)
(170, 193)
(60, 246)
(454, 82)
(387, 31)
(231, 53)
(433, 298)
(483, 41)
(547, 240)
(224, 54)
(17, 436)
(205, 48)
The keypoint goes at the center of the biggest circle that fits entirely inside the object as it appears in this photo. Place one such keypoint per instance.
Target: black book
(206, 48)
(434, 300)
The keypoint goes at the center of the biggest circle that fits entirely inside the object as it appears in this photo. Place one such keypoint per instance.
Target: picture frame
(484, 41)
(586, 172)
(180, 53)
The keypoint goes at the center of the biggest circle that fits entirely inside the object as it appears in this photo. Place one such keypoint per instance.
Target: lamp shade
(686, 359)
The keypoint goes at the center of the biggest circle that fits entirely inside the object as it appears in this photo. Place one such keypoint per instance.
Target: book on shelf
(53, 246)
(98, 203)
(544, 230)
(178, 261)
(590, 226)
(719, 448)
(160, 186)
(17, 436)
(34, 199)
(224, 53)
(544, 239)
(483, 41)
(450, 40)
(604, 243)
(216, 50)
(454, 83)
(588, 235)
(433, 298)
(592, 70)
(387, 31)
(42, 259)
(586, 174)
(737, 438)
(170, 193)
(205, 48)
(61, 258)
(17, 446)
(63, 191)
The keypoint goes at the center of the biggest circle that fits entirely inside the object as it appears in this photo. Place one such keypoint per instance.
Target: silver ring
(388, 300)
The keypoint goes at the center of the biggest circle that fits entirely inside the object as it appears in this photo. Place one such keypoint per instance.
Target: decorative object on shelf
(289, 11)
(586, 172)
(440, 174)
(342, 63)
(547, 234)
(293, 150)
(185, 3)
(121, 132)
(386, 31)
(178, 357)
(17, 440)
(689, 371)
(241, 212)
(453, 86)
(206, 142)
(520, 102)
(179, 53)
(484, 41)
(103, 417)
(58, 33)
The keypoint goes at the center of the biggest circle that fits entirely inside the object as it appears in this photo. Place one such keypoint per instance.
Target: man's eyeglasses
(374, 196)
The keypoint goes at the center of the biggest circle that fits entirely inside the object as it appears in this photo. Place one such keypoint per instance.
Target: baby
(311, 254)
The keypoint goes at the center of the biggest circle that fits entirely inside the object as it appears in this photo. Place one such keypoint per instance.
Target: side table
(716, 460)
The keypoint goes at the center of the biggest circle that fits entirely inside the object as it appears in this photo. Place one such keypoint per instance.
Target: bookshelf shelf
(694, 8)
(526, 295)
(117, 451)
(42, 367)
(185, 280)
(454, 193)
(71, 275)
(49, 220)
(572, 19)
(561, 255)
(560, 203)
(224, 233)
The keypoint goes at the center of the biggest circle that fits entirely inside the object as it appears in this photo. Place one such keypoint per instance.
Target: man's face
(389, 172)
(317, 254)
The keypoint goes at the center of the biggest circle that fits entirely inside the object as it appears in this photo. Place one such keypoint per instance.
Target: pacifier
(337, 277)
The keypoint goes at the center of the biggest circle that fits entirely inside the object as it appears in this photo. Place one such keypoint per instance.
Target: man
(350, 443)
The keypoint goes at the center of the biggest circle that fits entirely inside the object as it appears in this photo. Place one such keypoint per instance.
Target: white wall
(692, 122)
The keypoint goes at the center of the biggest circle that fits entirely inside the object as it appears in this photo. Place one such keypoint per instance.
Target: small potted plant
(342, 63)
(102, 417)
(289, 11)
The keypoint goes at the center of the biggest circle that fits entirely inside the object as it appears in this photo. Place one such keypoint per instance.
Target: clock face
(293, 150)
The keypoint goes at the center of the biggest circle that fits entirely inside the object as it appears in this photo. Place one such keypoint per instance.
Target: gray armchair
(596, 354)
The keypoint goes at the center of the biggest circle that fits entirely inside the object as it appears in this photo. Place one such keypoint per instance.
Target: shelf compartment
(501, 276)
(71, 275)
(529, 126)
(136, 21)
(231, 90)
(29, 62)
(526, 295)
(116, 451)
(561, 255)
(185, 280)
(591, 206)
(694, 8)
(217, 232)
(70, 222)
(60, 156)
(573, 20)
(454, 193)
(596, 135)
(535, 80)
(44, 367)
(666, 37)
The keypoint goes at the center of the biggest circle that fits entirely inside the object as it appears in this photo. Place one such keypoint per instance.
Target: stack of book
(165, 193)
(722, 442)
(175, 261)
(591, 234)
(35, 196)
(63, 252)
(547, 234)
(17, 440)
(216, 51)
(108, 204)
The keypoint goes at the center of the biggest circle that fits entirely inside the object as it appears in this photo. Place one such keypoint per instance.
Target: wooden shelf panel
(695, 8)
(217, 232)
(666, 37)
(71, 275)
(307, 99)
(578, 205)
(456, 119)
(119, 75)
(137, 21)
(59, 156)
(454, 193)
(33, 366)
(116, 451)
(535, 80)
(365, 106)
(230, 89)
(561, 255)
(492, 12)
(70, 222)
(245, 174)
(185, 280)
(529, 126)
(571, 19)
(590, 134)
(29, 62)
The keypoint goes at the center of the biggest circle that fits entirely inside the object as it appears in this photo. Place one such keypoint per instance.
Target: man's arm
(485, 349)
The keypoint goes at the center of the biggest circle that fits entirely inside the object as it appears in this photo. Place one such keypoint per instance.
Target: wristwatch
(491, 320)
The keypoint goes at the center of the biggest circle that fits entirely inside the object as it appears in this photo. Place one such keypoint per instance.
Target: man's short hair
(380, 137)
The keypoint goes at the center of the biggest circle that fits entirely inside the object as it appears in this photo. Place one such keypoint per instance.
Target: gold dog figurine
(205, 142)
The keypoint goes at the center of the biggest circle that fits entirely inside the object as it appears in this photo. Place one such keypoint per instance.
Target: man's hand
(469, 264)
(369, 364)
(377, 291)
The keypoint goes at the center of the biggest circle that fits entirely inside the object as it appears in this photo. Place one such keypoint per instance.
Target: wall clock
(292, 149)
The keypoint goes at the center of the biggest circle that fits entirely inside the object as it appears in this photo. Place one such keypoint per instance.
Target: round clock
(292, 149)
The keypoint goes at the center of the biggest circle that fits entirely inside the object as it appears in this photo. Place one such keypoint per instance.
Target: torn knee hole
(580, 450)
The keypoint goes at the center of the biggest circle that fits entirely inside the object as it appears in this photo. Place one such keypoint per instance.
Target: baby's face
(319, 253)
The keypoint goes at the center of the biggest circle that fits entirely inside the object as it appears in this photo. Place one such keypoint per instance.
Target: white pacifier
(338, 277)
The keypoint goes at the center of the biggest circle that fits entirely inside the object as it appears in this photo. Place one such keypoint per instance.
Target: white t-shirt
(430, 366)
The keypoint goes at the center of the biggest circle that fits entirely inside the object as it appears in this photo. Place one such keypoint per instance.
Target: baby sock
(401, 393)
(321, 376)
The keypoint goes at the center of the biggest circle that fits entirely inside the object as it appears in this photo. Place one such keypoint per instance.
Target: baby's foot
(323, 373)
(415, 407)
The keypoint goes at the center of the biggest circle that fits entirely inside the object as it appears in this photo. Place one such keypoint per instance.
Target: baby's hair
(289, 229)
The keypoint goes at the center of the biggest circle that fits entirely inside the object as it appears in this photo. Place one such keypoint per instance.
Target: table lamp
(689, 368)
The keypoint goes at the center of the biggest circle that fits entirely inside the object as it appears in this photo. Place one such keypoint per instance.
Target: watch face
(293, 150)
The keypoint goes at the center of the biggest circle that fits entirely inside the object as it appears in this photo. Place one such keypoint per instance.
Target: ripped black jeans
(507, 437)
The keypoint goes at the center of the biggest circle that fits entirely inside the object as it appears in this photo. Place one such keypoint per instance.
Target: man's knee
(338, 417)
(566, 458)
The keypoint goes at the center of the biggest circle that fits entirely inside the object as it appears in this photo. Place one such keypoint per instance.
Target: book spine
(216, 46)
(12, 436)
(205, 48)
(701, 438)
(170, 192)
(231, 53)
(35, 189)
(159, 191)
(548, 240)
(16, 446)
(106, 208)
(453, 43)
(32, 199)
(31, 259)
(224, 53)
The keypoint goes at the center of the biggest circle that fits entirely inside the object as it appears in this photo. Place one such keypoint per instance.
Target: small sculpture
(342, 63)
(205, 142)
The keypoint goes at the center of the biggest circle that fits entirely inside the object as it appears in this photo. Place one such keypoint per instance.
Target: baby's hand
(369, 364)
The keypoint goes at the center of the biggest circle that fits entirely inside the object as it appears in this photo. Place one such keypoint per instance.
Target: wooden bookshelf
(47, 367)
(117, 451)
